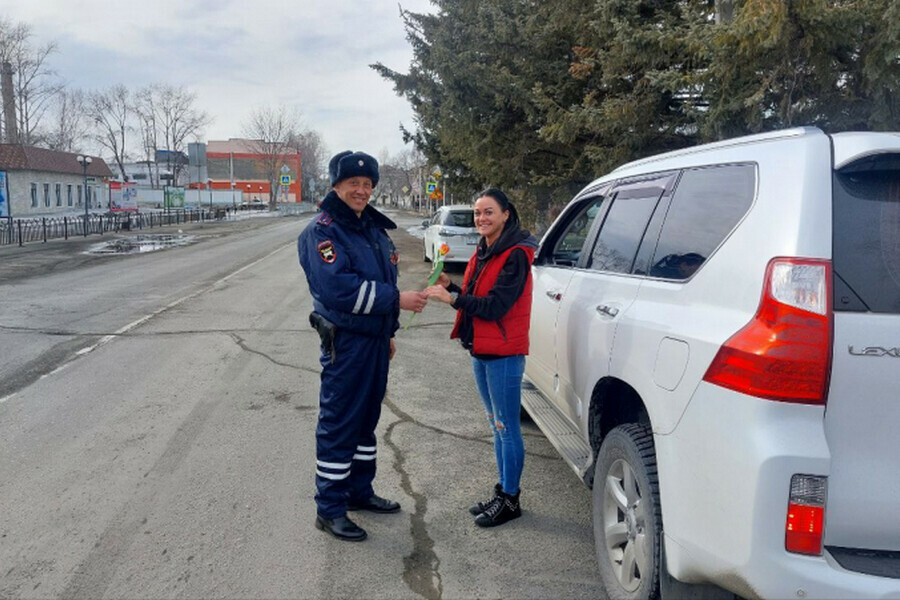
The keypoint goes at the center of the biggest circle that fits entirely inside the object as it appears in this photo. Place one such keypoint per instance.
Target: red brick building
(240, 161)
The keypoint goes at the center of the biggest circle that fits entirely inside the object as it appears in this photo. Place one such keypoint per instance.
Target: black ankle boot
(506, 508)
(342, 528)
(477, 509)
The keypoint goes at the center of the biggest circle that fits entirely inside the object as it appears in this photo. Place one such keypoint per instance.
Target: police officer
(351, 267)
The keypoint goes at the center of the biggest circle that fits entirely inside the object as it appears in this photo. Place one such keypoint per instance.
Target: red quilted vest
(509, 335)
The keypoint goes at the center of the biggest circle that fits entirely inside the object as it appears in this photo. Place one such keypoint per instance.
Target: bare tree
(179, 120)
(167, 119)
(35, 84)
(413, 166)
(313, 158)
(384, 156)
(68, 127)
(12, 36)
(110, 114)
(147, 112)
(270, 133)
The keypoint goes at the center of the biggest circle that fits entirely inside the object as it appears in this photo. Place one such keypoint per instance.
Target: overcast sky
(238, 55)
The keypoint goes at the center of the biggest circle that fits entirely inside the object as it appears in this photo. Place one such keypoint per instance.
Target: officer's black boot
(342, 528)
(375, 504)
(480, 507)
(505, 509)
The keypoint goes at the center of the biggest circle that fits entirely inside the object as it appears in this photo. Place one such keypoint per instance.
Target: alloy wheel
(624, 522)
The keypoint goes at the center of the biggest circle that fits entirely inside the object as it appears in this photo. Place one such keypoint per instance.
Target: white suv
(454, 226)
(715, 349)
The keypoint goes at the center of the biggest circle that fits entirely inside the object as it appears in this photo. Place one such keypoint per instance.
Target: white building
(41, 181)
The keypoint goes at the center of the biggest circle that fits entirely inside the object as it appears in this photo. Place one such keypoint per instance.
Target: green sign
(173, 197)
(285, 180)
(430, 187)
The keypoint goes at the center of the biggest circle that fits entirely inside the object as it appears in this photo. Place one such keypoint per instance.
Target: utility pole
(11, 132)
(85, 161)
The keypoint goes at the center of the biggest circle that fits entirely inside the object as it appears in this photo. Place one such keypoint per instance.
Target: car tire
(425, 254)
(626, 514)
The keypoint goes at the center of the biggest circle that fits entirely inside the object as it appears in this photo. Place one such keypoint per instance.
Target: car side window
(567, 249)
(707, 204)
(621, 233)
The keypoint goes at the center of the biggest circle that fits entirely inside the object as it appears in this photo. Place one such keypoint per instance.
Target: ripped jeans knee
(497, 426)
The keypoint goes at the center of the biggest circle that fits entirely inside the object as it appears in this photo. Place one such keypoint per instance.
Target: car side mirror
(426, 223)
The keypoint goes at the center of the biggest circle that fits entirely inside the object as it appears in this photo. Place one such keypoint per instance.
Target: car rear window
(460, 218)
(867, 236)
(708, 203)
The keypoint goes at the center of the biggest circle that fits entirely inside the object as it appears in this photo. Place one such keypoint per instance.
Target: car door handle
(554, 295)
(610, 311)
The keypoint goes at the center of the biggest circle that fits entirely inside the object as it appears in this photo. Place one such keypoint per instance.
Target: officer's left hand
(393, 350)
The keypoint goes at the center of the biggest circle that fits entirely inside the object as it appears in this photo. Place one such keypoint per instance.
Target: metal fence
(23, 231)
(295, 208)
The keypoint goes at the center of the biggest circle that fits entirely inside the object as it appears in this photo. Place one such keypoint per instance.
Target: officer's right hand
(412, 300)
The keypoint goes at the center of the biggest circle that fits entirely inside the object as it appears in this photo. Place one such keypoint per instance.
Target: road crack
(487, 439)
(243, 345)
(421, 568)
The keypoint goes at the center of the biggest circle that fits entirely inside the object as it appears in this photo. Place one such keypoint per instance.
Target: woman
(492, 319)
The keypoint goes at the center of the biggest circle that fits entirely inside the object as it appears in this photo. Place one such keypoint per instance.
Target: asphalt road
(157, 417)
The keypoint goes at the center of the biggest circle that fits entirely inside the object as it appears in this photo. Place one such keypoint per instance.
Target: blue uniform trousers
(350, 396)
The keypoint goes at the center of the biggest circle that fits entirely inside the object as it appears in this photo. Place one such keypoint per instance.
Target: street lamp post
(84, 161)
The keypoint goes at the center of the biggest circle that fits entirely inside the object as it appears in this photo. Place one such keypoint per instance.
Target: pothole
(141, 243)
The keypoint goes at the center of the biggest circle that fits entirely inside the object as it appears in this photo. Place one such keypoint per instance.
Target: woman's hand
(443, 280)
(438, 292)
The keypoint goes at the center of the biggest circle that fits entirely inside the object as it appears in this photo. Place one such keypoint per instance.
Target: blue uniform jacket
(351, 268)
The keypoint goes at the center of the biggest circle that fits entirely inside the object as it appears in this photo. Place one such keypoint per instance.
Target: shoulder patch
(324, 219)
(327, 251)
(395, 256)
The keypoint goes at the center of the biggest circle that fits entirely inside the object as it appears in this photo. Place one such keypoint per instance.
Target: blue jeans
(499, 382)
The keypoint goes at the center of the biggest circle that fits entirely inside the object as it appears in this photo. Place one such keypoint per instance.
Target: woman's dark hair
(503, 201)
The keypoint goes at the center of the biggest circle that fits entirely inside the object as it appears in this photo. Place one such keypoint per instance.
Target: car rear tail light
(806, 515)
(784, 352)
